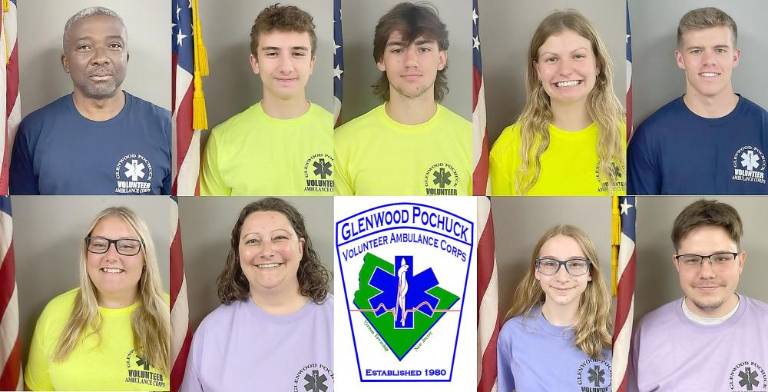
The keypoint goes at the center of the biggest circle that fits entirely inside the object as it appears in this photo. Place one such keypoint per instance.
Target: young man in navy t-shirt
(710, 140)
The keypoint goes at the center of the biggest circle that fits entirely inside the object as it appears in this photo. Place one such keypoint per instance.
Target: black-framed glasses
(575, 266)
(717, 259)
(123, 246)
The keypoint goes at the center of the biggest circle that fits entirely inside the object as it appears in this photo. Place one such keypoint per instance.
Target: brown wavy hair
(412, 21)
(593, 327)
(287, 18)
(313, 276)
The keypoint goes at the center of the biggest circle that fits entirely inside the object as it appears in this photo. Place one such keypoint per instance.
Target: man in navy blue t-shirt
(710, 140)
(99, 139)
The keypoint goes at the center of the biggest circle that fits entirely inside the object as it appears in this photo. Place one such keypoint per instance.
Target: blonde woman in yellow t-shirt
(113, 332)
(570, 137)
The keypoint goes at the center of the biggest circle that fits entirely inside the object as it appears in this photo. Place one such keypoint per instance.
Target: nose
(285, 65)
(411, 56)
(565, 67)
(706, 271)
(562, 274)
(708, 57)
(266, 250)
(100, 55)
(112, 253)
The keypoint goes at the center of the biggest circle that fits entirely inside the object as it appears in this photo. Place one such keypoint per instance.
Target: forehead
(284, 39)
(396, 36)
(97, 27)
(564, 41)
(114, 227)
(707, 239)
(264, 221)
(711, 36)
(561, 246)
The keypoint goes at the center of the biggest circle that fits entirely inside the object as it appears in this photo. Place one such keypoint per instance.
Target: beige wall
(360, 72)
(206, 224)
(657, 281)
(47, 233)
(232, 87)
(41, 27)
(519, 222)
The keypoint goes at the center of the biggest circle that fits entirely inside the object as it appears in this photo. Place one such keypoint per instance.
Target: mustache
(101, 71)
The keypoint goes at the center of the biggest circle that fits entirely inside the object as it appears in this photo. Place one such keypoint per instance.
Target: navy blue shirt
(58, 151)
(675, 151)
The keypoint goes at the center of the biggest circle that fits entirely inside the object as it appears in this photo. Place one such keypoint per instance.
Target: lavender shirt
(239, 347)
(672, 353)
(534, 355)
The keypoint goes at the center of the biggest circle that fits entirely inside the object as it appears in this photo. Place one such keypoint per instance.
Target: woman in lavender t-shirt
(274, 328)
(557, 334)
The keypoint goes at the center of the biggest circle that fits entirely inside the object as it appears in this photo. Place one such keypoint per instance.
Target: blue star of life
(404, 293)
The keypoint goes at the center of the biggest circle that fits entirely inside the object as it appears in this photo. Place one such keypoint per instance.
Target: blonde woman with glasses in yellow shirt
(569, 139)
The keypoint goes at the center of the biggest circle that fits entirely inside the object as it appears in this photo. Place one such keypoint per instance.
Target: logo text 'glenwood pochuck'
(318, 173)
(441, 179)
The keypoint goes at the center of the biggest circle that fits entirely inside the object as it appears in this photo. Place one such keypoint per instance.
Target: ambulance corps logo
(140, 371)
(441, 179)
(618, 172)
(314, 377)
(404, 270)
(133, 174)
(594, 376)
(749, 165)
(748, 376)
(318, 173)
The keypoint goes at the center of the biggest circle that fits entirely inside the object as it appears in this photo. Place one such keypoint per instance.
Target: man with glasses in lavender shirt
(713, 339)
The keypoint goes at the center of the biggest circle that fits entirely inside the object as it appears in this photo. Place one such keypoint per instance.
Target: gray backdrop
(519, 222)
(506, 28)
(232, 86)
(360, 70)
(47, 233)
(656, 79)
(206, 225)
(657, 281)
(41, 27)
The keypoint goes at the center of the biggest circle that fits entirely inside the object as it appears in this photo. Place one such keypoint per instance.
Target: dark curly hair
(287, 18)
(412, 21)
(313, 276)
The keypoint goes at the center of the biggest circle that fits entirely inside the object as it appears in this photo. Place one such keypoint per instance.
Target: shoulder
(448, 116)
(146, 108)
(513, 327)
(758, 308)
(326, 306)
(60, 307)
(752, 108)
(55, 108)
(665, 116)
(317, 112)
(661, 317)
(244, 120)
(509, 137)
(360, 123)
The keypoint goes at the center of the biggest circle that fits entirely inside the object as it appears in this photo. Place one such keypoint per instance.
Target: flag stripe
(180, 335)
(480, 185)
(10, 352)
(487, 294)
(625, 294)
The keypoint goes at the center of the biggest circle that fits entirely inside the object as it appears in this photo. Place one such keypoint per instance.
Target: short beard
(417, 94)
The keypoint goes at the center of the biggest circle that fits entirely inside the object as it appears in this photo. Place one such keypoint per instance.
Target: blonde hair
(151, 319)
(603, 106)
(592, 328)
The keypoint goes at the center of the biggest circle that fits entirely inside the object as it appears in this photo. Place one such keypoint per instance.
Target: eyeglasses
(574, 267)
(719, 259)
(123, 246)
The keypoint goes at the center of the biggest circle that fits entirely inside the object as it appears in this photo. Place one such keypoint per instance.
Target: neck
(570, 116)
(284, 109)
(277, 301)
(560, 315)
(118, 299)
(711, 106)
(99, 109)
(411, 111)
(720, 311)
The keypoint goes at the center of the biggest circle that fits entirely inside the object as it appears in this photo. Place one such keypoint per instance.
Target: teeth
(112, 270)
(568, 83)
(709, 74)
(268, 266)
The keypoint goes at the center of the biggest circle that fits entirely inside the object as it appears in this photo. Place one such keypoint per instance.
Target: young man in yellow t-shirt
(282, 145)
(410, 145)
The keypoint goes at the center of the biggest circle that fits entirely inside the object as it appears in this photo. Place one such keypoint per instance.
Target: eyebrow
(420, 41)
(577, 49)
(720, 46)
(266, 48)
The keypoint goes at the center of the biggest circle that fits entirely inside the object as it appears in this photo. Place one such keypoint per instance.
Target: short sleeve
(36, 375)
(211, 182)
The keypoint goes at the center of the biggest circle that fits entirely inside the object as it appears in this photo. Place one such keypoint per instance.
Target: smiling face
(708, 57)
(284, 63)
(709, 288)
(270, 252)
(96, 56)
(114, 274)
(411, 67)
(566, 67)
(562, 288)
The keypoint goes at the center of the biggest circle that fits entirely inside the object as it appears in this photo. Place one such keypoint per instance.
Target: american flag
(180, 335)
(625, 293)
(480, 183)
(10, 349)
(338, 62)
(9, 75)
(628, 105)
(487, 299)
(189, 64)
